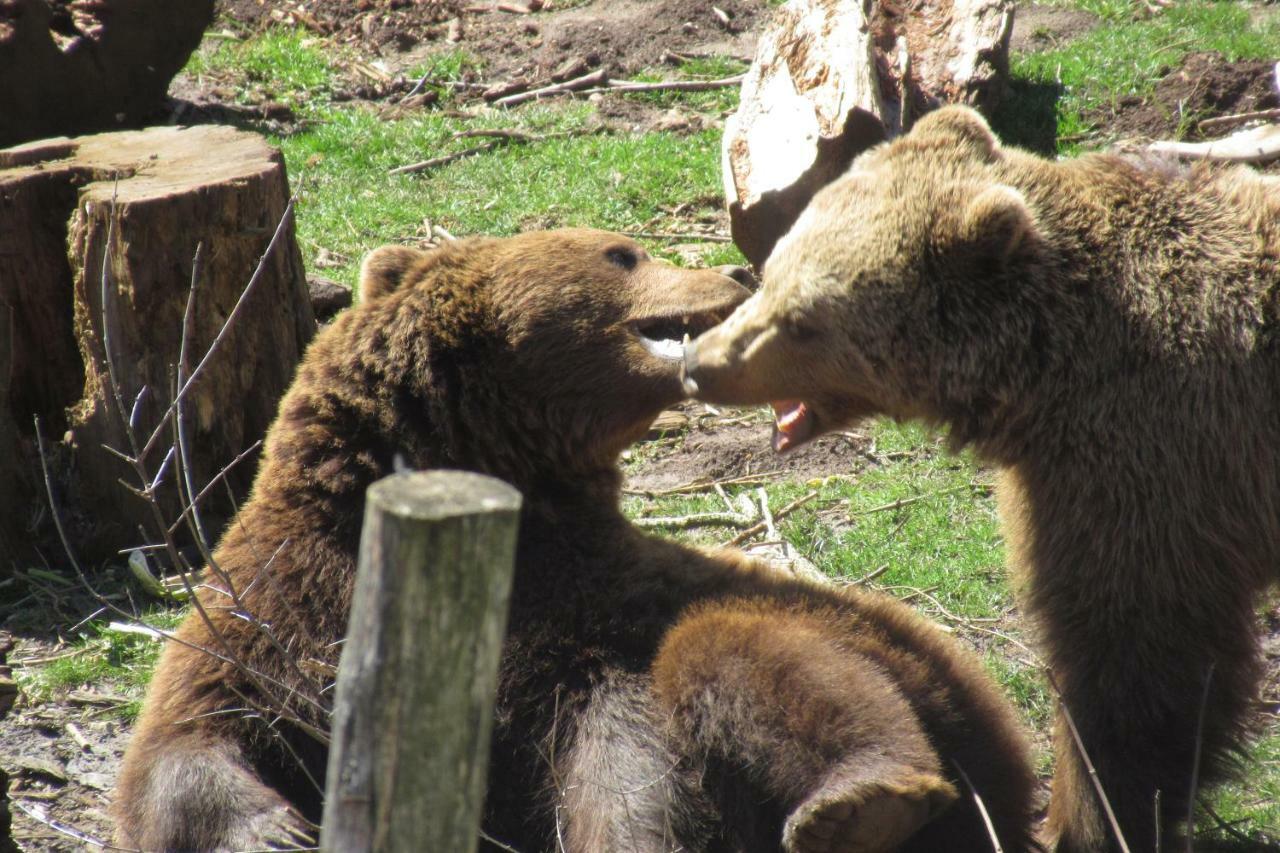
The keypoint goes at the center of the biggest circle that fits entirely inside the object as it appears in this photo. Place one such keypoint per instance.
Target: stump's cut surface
(143, 201)
(830, 79)
(75, 66)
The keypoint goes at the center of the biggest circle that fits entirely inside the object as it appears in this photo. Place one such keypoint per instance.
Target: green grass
(349, 204)
(103, 661)
(279, 64)
(1085, 78)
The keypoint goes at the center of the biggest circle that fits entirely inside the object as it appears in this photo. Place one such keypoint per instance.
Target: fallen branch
(697, 519)
(901, 502)
(595, 78)
(703, 484)
(686, 237)
(1219, 122)
(499, 137)
(761, 527)
(666, 85)
(1255, 145)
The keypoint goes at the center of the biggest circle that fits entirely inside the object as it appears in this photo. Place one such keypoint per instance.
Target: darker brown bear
(1104, 329)
(651, 697)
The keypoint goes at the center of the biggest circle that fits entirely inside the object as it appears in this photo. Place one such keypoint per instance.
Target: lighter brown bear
(1104, 330)
(651, 697)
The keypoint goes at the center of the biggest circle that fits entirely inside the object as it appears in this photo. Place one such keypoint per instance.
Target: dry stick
(901, 502)
(1088, 764)
(1195, 762)
(982, 807)
(665, 85)
(1220, 122)
(285, 219)
(870, 576)
(702, 484)
(577, 83)
(68, 830)
(666, 235)
(697, 519)
(501, 137)
(782, 513)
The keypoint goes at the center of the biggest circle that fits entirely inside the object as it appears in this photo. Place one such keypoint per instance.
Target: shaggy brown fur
(1104, 330)
(775, 714)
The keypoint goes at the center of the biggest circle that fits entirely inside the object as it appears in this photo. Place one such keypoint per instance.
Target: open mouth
(794, 424)
(665, 337)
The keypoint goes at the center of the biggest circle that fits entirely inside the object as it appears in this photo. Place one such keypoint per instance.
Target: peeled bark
(75, 66)
(830, 79)
(142, 201)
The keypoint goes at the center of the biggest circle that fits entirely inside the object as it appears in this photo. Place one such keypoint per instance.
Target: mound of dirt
(1205, 85)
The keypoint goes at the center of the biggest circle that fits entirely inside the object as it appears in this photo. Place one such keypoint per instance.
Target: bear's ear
(384, 268)
(997, 221)
(960, 127)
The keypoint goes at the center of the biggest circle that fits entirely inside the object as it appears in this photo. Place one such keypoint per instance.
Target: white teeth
(665, 349)
(684, 321)
(690, 386)
(685, 342)
(785, 422)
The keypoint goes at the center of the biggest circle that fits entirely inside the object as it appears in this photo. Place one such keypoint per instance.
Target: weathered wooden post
(418, 673)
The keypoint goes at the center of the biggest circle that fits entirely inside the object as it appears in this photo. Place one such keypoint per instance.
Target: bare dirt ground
(62, 755)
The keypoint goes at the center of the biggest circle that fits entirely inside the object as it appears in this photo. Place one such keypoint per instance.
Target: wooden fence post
(418, 673)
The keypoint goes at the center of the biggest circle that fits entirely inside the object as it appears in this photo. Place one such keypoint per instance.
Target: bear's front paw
(282, 828)
(857, 817)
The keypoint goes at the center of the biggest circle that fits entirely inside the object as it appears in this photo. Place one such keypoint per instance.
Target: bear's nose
(741, 275)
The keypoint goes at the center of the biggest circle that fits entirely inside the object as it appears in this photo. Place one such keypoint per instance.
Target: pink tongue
(792, 425)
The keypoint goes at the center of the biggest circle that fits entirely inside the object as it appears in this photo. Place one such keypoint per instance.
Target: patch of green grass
(1122, 59)
(451, 66)
(103, 660)
(1252, 805)
(349, 204)
(280, 64)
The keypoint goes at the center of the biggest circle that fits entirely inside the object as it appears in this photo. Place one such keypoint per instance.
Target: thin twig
(697, 519)
(665, 85)
(691, 237)
(982, 807)
(780, 514)
(1088, 764)
(576, 84)
(500, 138)
(1219, 122)
(901, 502)
(1195, 762)
(286, 219)
(702, 484)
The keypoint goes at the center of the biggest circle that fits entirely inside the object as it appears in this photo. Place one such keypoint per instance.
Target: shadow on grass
(1027, 116)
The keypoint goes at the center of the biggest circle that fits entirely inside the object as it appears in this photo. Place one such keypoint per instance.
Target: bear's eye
(624, 258)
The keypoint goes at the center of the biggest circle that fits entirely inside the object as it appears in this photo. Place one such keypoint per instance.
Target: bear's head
(899, 291)
(573, 338)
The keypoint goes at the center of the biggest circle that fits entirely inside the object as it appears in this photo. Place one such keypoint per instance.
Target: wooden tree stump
(143, 200)
(75, 66)
(416, 684)
(831, 79)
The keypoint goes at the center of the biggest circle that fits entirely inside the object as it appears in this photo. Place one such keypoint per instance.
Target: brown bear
(1104, 330)
(651, 696)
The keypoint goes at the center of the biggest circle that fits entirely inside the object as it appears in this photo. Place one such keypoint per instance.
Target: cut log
(72, 66)
(831, 79)
(143, 200)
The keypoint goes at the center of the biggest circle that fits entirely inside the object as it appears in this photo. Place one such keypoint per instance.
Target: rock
(328, 297)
